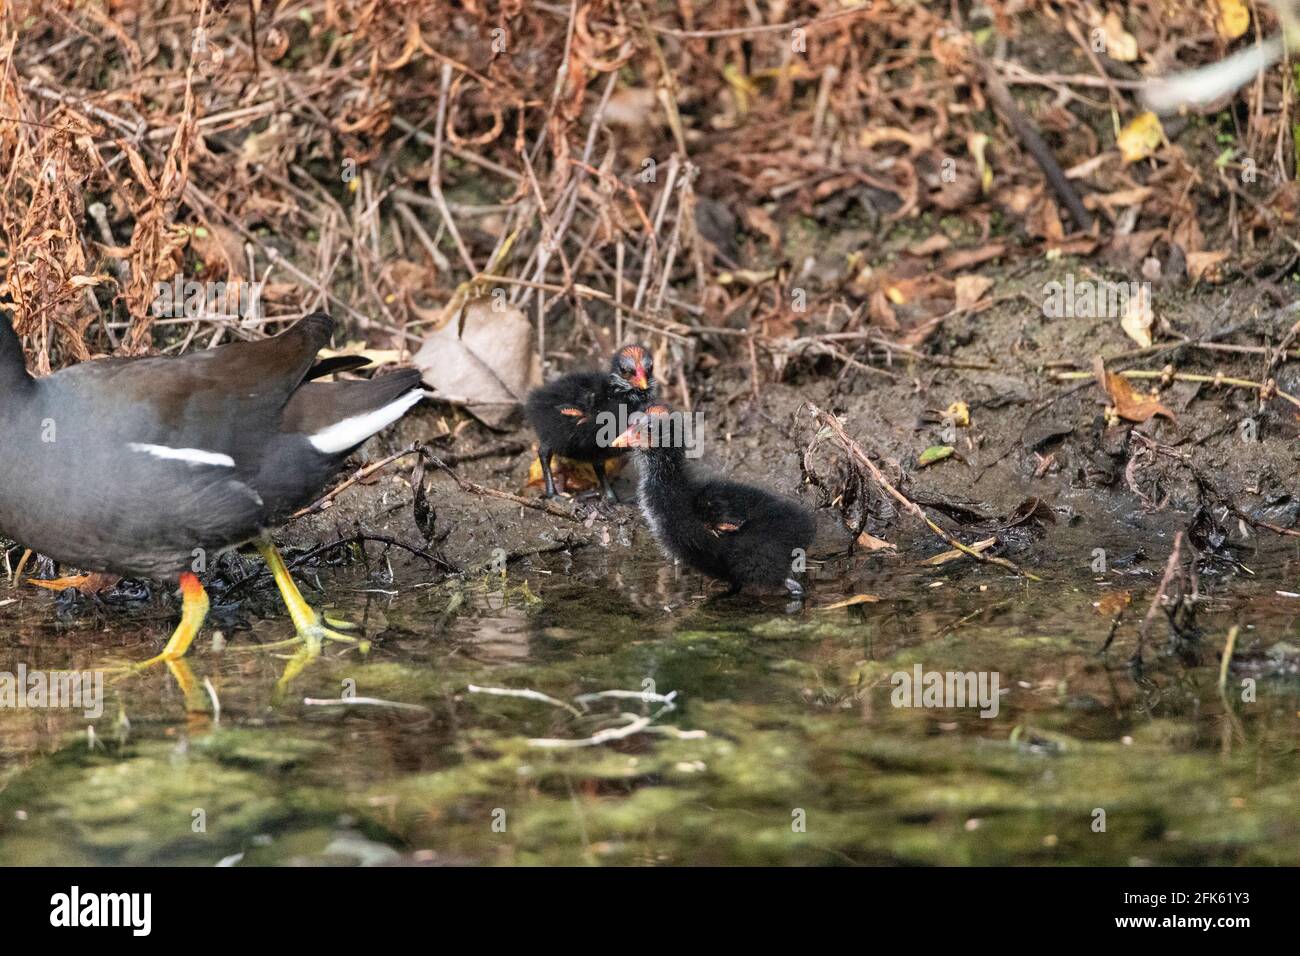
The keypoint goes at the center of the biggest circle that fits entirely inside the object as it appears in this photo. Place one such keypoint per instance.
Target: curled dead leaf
(1139, 317)
(1128, 404)
(486, 361)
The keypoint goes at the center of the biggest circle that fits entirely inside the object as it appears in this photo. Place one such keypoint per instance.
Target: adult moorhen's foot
(313, 628)
(194, 611)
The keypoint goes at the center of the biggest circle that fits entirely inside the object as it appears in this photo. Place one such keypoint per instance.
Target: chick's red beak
(629, 438)
(640, 379)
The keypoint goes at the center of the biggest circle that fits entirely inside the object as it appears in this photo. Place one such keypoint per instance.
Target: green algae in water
(803, 760)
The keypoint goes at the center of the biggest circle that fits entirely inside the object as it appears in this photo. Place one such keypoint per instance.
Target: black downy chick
(730, 531)
(577, 415)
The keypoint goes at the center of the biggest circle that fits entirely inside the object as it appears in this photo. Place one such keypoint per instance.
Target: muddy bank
(1119, 486)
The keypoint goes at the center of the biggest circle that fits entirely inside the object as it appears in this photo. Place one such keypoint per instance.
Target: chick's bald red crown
(634, 366)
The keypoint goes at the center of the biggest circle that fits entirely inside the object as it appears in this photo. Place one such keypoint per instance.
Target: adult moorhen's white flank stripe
(132, 466)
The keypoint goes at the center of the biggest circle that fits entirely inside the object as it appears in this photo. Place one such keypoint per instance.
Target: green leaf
(934, 453)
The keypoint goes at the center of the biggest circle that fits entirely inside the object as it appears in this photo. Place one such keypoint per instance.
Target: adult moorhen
(578, 415)
(149, 467)
(731, 531)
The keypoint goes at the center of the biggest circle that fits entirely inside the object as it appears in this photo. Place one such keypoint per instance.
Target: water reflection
(803, 757)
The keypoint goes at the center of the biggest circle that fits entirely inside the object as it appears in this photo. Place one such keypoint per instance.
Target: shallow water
(783, 747)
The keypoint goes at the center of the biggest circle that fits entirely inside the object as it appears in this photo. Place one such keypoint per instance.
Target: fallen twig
(361, 474)
(1265, 389)
(856, 451)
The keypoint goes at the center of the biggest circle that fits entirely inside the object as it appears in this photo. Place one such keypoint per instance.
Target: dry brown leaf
(1129, 405)
(761, 222)
(1206, 266)
(1044, 221)
(881, 312)
(870, 542)
(970, 289)
(964, 258)
(1112, 602)
(1131, 249)
(915, 142)
(485, 362)
(1120, 199)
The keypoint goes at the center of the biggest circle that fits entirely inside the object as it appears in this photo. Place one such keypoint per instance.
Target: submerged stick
(1173, 564)
(1228, 648)
(524, 694)
(911, 507)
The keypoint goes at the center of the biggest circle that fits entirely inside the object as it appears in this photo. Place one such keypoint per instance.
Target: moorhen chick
(143, 466)
(572, 415)
(730, 531)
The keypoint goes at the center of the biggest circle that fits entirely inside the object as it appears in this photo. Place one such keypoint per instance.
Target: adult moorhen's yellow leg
(194, 610)
(311, 625)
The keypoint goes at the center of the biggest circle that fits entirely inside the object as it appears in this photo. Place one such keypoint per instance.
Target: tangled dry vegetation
(600, 166)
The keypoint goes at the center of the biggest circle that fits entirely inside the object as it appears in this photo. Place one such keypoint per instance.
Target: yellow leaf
(1234, 18)
(571, 477)
(1140, 138)
(959, 412)
(1120, 44)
